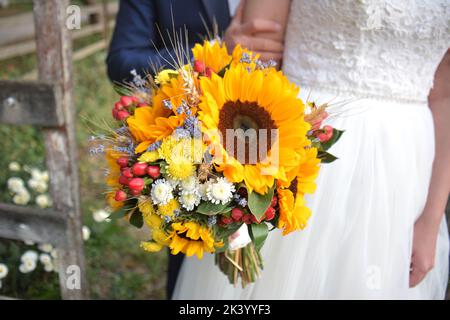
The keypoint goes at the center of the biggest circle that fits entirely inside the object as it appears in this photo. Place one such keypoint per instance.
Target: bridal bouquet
(212, 155)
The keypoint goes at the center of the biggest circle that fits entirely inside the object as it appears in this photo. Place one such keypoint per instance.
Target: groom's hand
(246, 34)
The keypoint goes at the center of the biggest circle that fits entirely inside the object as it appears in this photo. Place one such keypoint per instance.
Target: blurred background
(116, 267)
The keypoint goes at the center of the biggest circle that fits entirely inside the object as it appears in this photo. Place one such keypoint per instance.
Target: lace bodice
(384, 48)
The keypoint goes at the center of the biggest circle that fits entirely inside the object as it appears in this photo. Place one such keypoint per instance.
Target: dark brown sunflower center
(293, 187)
(247, 131)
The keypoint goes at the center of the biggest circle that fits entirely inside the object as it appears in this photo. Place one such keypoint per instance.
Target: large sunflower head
(293, 212)
(262, 100)
(213, 54)
(191, 238)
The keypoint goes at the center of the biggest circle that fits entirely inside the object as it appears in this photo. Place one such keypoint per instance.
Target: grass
(116, 267)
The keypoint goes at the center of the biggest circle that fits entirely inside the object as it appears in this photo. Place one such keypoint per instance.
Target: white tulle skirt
(358, 241)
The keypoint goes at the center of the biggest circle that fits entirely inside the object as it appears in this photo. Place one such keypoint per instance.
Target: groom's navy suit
(131, 46)
(137, 25)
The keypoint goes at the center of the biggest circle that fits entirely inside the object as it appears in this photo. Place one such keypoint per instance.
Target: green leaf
(336, 136)
(326, 157)
(211, 209)
(121, 89)
(258, 233)
(120, 213)
(137, 219)
(258, 203)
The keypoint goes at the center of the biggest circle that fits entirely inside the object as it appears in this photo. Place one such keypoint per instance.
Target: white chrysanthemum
(189, 200)
(3, 270)
(161, 192)
(86, 233)
(29, 255)
(220, 191)
(43, 201)
(190, 184)
(101, 215)
(15, 185)
(27, 266)
(203, 190)
(173, 182)
(45, 247)
(45, 258)
(22, 198)
(14, 166)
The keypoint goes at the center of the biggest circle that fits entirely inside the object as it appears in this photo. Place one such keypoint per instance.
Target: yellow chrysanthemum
(168, 208)
(151, 246)
(165, 76)
(149, 156)
(213, 54)
(173, 149)
(151, 219)
(261, 99)
(180, 168)
(293, 212)
(191, 238)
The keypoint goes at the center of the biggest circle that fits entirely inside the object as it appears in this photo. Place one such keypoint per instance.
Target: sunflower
(191, 238)
(213, 54)
(293, 212)
(260, 99)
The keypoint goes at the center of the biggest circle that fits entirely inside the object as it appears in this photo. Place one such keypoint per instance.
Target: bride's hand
(423, 250)
(245, 34)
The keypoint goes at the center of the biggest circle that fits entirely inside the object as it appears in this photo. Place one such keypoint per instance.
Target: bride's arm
(427, 226)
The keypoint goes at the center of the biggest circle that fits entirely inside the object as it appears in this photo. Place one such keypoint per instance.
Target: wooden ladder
(48, 103)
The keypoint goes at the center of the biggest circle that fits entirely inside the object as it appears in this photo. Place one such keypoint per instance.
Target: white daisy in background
(49, 267)
(101, 215)
(15, 185)
(45, 247)
(29, 255)
(54, 253)
(161, 192)
(45, 258)
(189, 200)
(43, 201)
(189, 184)
(27, 266)
(86, 233)
(38, 185)
(22, 198)
(220, 191)
(29, 243)
(3, 272)
(14, 166)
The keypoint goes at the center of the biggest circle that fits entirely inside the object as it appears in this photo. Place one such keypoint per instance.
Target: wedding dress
(379, 57)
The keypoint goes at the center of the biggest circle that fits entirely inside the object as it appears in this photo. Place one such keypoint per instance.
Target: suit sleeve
(131, 45)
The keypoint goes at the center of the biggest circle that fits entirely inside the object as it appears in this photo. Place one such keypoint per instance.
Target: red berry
(122, 162)
(328, 129)
(124, 180)
(154, 171)
(136, 184)
(135, 192)
(323, 137)
(247, 218)
(120, 196)
(142, 104)
(139, 169)
(199, 66)
(118, 106)
(270, 213)
(122, 115)
(127, 172)
(274, 202)
(237, 214)
(253, 219)
(134, 99)
(208, 72)
(126, 101)
(226, 220)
